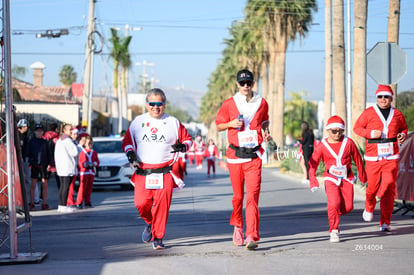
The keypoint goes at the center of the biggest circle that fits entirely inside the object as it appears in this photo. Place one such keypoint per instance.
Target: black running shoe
(147, 234)
(157, 244)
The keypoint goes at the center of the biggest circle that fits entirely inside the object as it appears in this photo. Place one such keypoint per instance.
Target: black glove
(131, 156)
(179, 147)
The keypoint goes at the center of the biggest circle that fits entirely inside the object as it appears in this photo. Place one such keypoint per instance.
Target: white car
(114, 168)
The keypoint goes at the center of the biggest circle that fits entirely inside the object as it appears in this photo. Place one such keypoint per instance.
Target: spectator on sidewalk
(88, 161)
(79, 142)
(307, 141)
(337, 152)
(24, 137)
(51, 136)
(211, 154)
(40, 160)
(65, 153)
(246, 119)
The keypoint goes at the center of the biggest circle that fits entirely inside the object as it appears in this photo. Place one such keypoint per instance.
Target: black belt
(382, 140)
(245, 153)
(146, 172)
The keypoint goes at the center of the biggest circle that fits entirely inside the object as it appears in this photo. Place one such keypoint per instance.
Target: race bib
(248, 139)
(385, 149)
(338, 171)
(154, 181)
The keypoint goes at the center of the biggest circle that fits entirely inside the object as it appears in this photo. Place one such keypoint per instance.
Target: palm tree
(359, 80)
(328, 62)
(125, 62)
(121, 57)
(281, 21)
(393, 32)
(338, 58)
(67, 75)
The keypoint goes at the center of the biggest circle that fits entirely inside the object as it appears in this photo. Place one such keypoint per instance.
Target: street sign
(386, 63)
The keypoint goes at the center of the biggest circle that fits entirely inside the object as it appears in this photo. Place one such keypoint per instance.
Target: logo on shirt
(154, 130)
(153, 138)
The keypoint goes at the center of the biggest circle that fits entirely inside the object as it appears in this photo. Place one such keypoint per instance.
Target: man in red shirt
(246, 119)
(384, 128)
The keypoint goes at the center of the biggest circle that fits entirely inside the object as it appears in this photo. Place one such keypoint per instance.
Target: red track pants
(85, 189)
(154, 204)
(211, 164)
(382, 176)
(199, 159)
(71, 193)
(340, 201)
(249, 173)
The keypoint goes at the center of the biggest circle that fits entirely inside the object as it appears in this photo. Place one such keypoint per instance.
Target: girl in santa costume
(88, 161)
(337, 152)
(199, 148)
(211, 154)
(383, 128)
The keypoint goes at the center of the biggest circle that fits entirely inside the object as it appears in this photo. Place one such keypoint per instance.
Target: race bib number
(385, 149)
(154, 181)
(338, 171)
(248, 139)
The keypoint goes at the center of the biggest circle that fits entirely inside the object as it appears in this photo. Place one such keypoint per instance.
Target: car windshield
(108, 146)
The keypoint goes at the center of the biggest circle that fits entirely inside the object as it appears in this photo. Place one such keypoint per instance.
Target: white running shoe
(367, 216)
(334, 236)
(385, 228)
(61, 208)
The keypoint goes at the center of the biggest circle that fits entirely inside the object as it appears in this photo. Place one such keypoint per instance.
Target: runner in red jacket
(151, 143)
(211, 154)
(383, 128)
(246, 119)
(337, 152)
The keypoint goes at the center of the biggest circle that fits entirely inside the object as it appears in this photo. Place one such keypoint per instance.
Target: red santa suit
(381, 157)
(151, 140)
(211, 154)
(245, 170)
(179, 167)
(199, 147)
(338, 176)
(88, 161)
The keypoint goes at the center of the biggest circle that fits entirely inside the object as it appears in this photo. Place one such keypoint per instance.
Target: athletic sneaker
(88, 205)
(238, 236)
(334, 236)
(157, 244)
(385, 228)
(45, 207)
(147, 234)
(367, 216)
(251, 244)
(32, 207)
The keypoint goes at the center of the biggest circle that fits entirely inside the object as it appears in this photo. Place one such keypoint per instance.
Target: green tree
(297, 109)
(121, 58)
(18, 71)
(406, 106)
(180, 114)
(67, 75)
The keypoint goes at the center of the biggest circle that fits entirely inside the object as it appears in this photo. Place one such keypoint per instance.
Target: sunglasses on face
(383, 96)
(247, 82)
(158, 104)
(337, 131)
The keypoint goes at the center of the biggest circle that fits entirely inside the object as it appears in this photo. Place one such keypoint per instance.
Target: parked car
(114, 168)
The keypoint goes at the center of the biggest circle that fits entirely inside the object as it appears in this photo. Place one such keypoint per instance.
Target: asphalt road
(293, 229)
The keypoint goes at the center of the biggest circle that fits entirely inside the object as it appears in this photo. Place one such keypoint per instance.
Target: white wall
(68, 113)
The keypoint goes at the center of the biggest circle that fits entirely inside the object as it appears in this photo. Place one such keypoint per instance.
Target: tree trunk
(115, 99)
(393, 33)
(328, 64)
(359, 84)
(124, 99)
(338, 54)
(279, 106)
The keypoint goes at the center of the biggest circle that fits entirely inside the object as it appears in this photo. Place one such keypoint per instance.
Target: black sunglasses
(158, 104)
(242, 83)
(385, 96)
(337, 131)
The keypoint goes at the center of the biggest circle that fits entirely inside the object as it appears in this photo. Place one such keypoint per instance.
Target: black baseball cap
(244, 75)
(38, 126)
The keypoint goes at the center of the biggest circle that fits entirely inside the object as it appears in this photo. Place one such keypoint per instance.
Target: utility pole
(393, 34)
(87, 90)
(144, 73)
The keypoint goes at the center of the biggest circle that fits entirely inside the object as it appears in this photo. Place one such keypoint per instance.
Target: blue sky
(183, 38)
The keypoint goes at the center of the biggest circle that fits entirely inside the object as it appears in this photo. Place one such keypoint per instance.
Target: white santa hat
(335, 122)
(384, 90)
(75, 131)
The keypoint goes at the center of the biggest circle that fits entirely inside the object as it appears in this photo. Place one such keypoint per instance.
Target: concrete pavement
(293, 229)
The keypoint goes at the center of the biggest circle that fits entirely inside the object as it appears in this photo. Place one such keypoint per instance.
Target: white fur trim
(383, 93)
(335, 125)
